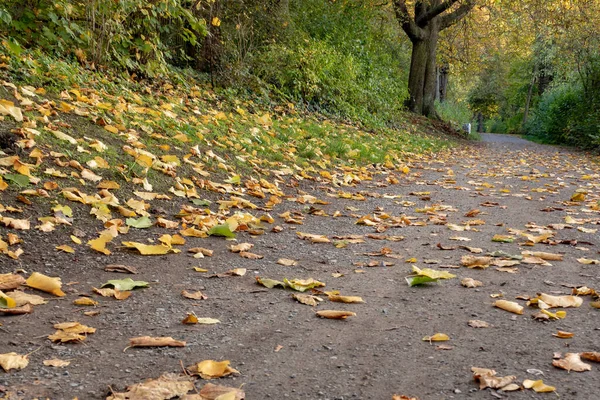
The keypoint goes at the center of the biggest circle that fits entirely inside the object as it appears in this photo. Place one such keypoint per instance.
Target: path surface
(283, 350)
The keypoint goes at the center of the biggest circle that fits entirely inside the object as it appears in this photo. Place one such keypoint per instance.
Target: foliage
(139, 36)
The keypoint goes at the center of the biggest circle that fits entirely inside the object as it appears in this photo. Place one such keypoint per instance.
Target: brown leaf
(572, 362)
(10, 281)
(201, 250)
(250, 256)
(148, 341)
(238, 248)
(345, 299)
(563, 335)
(193, 295)
(307, 299)
(121, 268)
(167, 386)
(403, 397)
(487, 378)
(218, 392)
(476, 261)
(470, 283)
(475, 323)
(335, 314)
(590, 356)
(56, 363)
(26, 309)
(10, 361)
(287, 262)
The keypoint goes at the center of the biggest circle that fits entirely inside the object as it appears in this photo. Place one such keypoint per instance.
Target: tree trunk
(430, 70)
(443, 82)
(529, 95)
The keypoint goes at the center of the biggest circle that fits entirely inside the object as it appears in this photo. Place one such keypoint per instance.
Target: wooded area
(529, 67)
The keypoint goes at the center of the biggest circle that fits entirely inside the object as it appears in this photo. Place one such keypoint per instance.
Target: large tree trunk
(429, 86)
(443, 86)
(422, 78)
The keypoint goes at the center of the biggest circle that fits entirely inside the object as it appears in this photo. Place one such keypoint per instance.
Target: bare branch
(423, 19)
(413, 31)
(456, 15)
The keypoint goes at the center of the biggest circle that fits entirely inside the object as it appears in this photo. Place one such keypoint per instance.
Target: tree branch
(456, 15)
(413, 31)
(423, 19)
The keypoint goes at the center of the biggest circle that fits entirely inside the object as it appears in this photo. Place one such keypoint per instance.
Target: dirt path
(283, 350)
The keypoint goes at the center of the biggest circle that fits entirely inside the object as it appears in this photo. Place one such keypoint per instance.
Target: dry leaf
(190, 319)
(538, 386)
(85, 301)
(121, 268)
(148, 341)
(549, 301)
(193, 295)
(10, 281)
(476, 261)
(218, 392)
(167, 386)
(475, 323)
(55, 362)
(45, 284)
(251, 256)
(25, 309)
(335, 314)
(210, 369)
(510, 306)
(543, 255)
(238, 248)
(307, 299)
(572, 362)
(487, 378)
(590, 356)
(10, 361)
(287, 262)
(563, 335)
(22, 298)
(346, 299)
(438, 337)
(470, 283)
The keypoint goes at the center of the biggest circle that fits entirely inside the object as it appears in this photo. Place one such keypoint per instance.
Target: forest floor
(474, 212)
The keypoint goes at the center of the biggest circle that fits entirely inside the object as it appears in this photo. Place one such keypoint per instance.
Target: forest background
(529, 67)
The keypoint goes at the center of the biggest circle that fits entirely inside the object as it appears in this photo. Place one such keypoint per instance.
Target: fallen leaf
(475, 323)
(335, 314)
(538, 386)
(121, 268)
(563, 335)
(190, 319)
(476, 261)
(346, 299)
(210, 369)
(45, 284)
(487, 378)
(125, 284)
(307, 299)
(250, 256)
(193, 295)
(590, 356)
(218, 392)
(85, 301)
(148, 341)
(302, 285)
(510, 306)
(221, 230)
(150, 250)
(587, 261)
(572, 362)
(167, 386)
(55, 362)
(238, 248)
(287, 262)
(549, 301)
(438, 337)
(11, 281)
(10, 361)
(22, 298)
(470, 283)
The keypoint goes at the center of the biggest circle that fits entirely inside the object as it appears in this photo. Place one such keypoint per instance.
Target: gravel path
(283, 350)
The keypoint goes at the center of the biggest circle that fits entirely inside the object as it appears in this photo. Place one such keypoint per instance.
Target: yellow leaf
(211, 369)
(563, 335)
(335, 314)
(8, 108)
(65, 248)
(99, 244)
(150, 250)
(431, 273)
(75, 239)
(198, 269)
(9, 301)
(538, 386)
(509, 306)
(85, 301)
(216, 21)
(346, 299)
(438, 337)
(10, 361)
(45, 284)
(56, 363)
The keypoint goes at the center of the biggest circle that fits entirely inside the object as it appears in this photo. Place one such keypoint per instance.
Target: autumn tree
(423, 24)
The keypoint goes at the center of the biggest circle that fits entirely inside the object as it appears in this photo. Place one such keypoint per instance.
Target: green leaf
(201, 202)
(302, 285)
(140, 223)
(415, 280)
(20, 180)
(234, 180)
(221, 230)
(125, 284)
